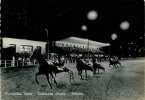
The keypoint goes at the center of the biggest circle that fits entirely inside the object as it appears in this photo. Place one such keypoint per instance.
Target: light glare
(114, 36)
(124, 25)
(84, 27)
(92, 15)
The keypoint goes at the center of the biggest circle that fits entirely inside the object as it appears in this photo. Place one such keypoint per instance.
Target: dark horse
(97, 66)
(83, 66)
(114, 62)
(48, 68)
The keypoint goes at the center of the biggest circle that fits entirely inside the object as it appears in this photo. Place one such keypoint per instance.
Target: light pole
(84, 28)
(125, 25)
(88, 49)
(47, 45)
(91, 15)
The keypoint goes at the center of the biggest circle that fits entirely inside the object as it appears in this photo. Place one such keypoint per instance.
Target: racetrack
(124, 83)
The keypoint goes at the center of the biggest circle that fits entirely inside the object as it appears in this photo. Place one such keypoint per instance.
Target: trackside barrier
(16, 63)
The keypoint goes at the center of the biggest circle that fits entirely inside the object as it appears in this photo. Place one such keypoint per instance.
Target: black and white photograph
(72, 50)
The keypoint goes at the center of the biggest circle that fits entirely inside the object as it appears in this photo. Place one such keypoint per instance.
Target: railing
(16, 63)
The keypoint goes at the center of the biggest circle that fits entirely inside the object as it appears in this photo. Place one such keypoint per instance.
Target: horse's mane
(79, 61)
(41, 59)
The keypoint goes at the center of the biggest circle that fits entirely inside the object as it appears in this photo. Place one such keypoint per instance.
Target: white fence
(16, 63)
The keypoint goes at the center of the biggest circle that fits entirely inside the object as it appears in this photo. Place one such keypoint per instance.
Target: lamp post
(88, 49)
(91, 15)
(47, 45)
(84, 28)
(129, 50)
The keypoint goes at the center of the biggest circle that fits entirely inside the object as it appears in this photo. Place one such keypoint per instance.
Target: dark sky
(64, 18)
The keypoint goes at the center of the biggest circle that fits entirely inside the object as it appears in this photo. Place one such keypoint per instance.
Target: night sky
(64, 18)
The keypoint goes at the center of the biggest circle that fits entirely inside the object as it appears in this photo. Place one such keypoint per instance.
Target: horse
(48, 68)
(114, 62)
(98, 66)
(80, 65)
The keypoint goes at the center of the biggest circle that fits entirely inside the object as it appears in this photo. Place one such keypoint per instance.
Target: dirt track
(125, 83)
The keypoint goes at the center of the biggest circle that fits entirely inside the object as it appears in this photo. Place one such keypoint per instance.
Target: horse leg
(116, 66)
(119, 64)
(98, 70)
(80, 74)
(53, 78)
(36, 78)
(113, 66)
(104, 70)
(55, 74)
(109, 65)
(94, 70)
(85, 73)
(69, 76)
(48, 80)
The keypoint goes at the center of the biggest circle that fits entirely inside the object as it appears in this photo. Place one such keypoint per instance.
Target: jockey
(87, 62)
(60, 63)
(115, 58)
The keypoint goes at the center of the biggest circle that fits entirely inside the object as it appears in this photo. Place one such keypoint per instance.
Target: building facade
(24, 45)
